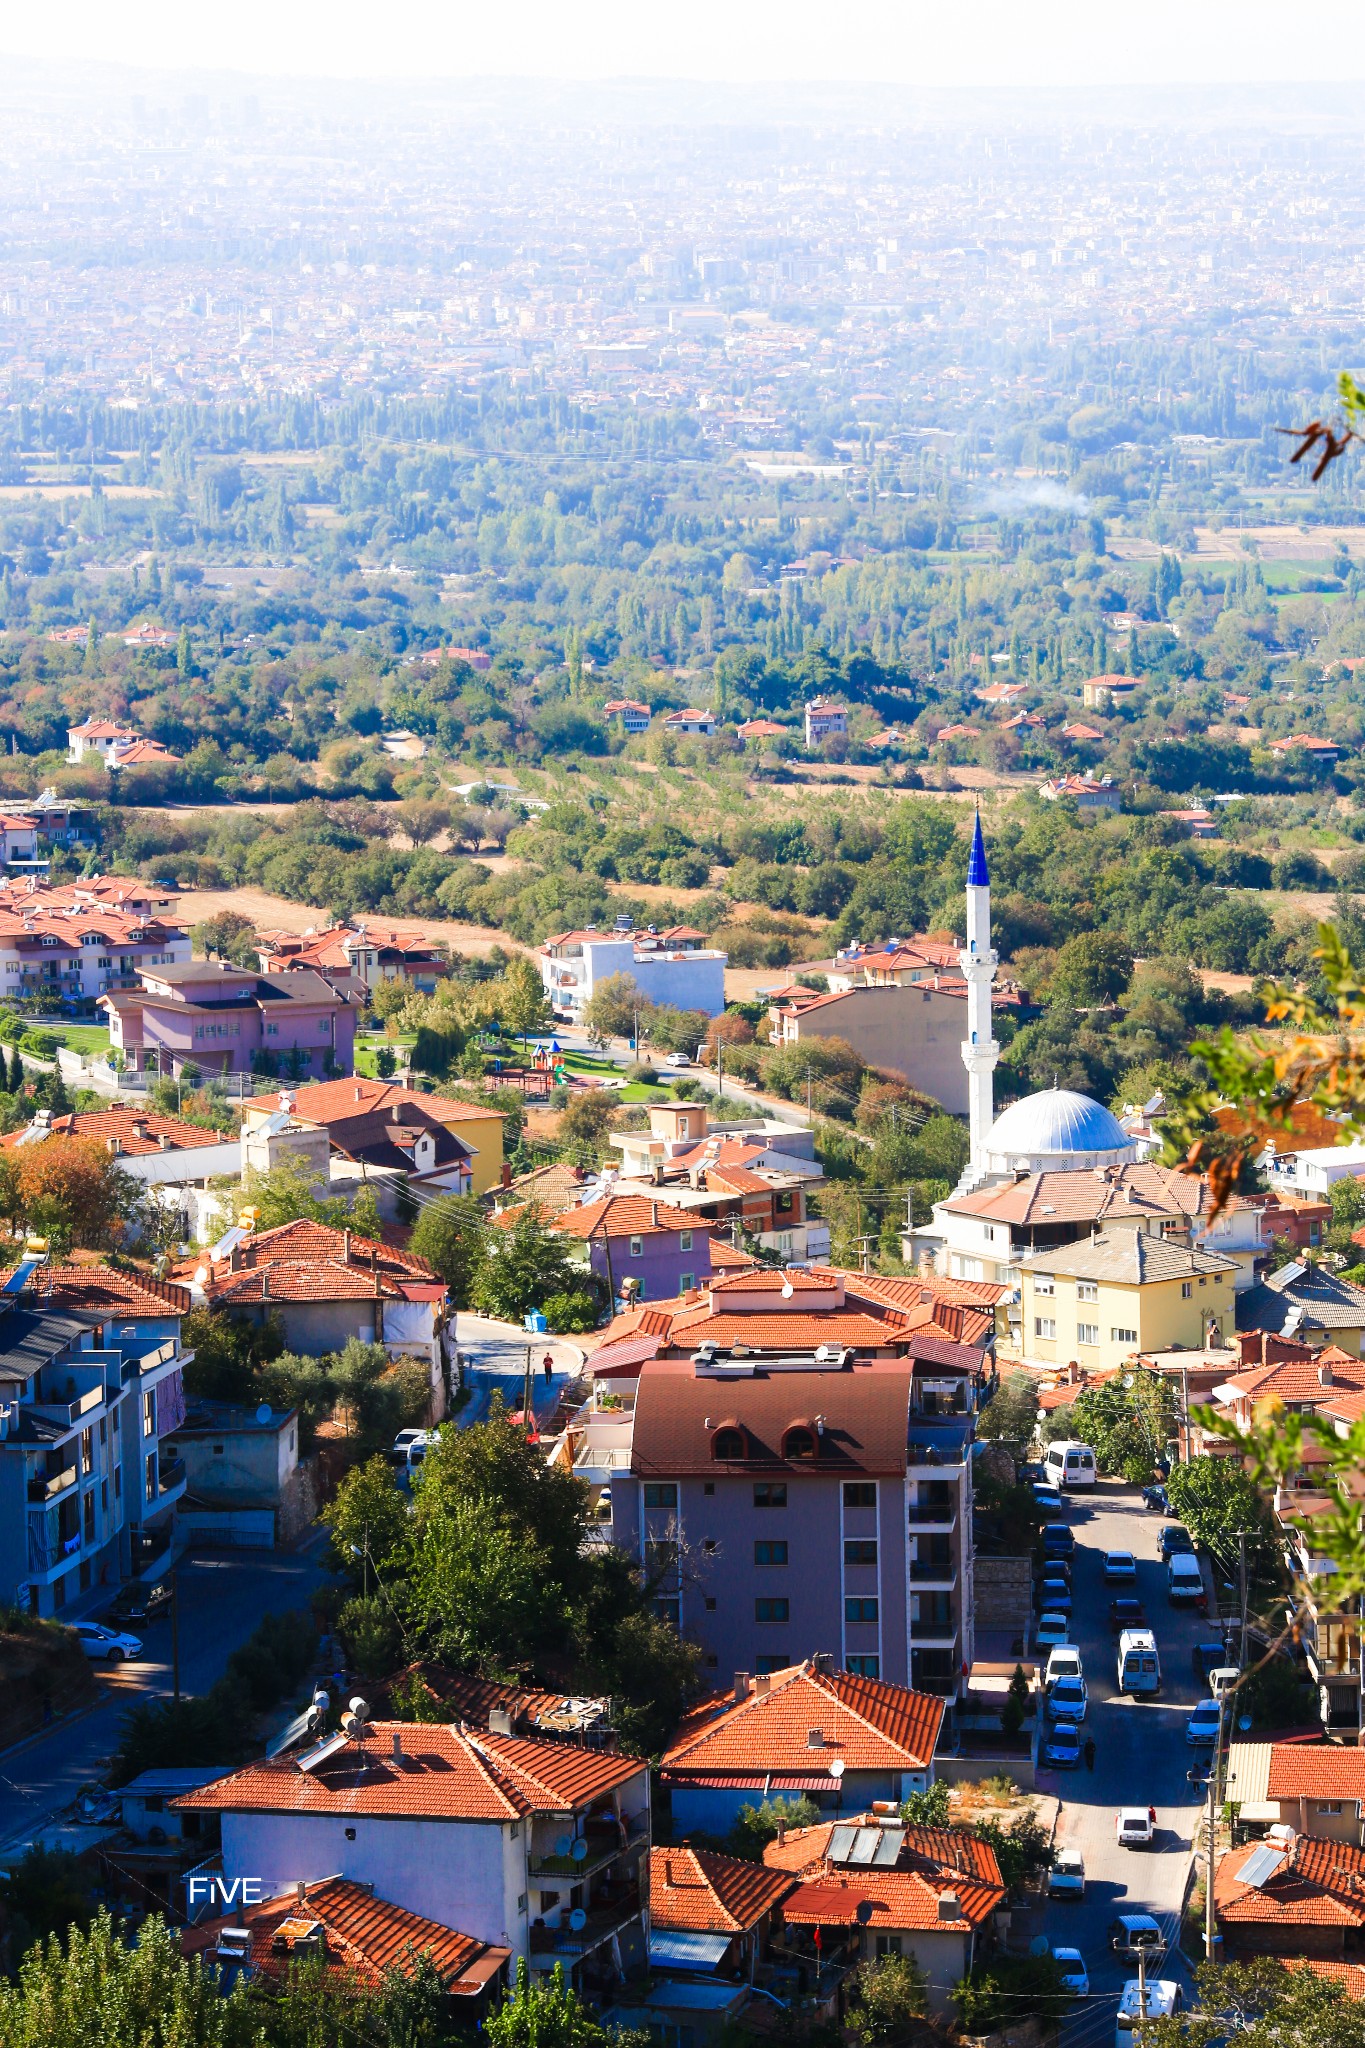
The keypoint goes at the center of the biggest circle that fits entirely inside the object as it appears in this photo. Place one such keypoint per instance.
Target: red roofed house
(724, 1908)
(371, 952)
(1306, 743)
(644, 1249)
(1083, 790)
(474, 1831)
(345, 1109)
(100, 736)
(755, 729)
(873, 1887)
(326, 1286)
(755, 1742)
(1101, 693)
(1312, 1903)
(633, 715)
(356, 1935)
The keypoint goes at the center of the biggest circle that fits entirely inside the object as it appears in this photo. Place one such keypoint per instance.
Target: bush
(998, 1992)
(756, 1826)
(568, 1314)
(369, 1632)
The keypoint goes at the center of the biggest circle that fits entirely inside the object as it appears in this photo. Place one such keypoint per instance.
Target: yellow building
(1102, 1299)
(481, 1130)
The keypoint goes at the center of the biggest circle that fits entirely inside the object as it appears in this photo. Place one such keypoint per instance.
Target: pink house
(227, 1020)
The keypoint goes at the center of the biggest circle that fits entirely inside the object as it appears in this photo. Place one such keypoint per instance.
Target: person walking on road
(1090, 1752)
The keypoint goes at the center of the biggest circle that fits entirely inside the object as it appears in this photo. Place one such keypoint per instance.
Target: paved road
(1141, 1759)
(495, 1363)
(223, 1596)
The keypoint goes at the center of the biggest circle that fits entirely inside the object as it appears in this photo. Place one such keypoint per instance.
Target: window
(888, 1944)
(860, 1610)
(1329, 1806)
(773, 1660)
(770, 1493)
(800, 1441)
(710, 1605)
(772, 1610)
(1044, 1326)
(860, 1550)
(1185, 1290)
(350, 1834)
(1120, 1336)
(661, 1496)
(709, 1486)
(684, 1240)
(686, 1282)
(548, 1901)
(151, 1475)
(1087, 1290)
(860, 1493)
(769, 1553)
(637, 1247)
(1043, 1283)
(1087, 1333)
(729, 1441)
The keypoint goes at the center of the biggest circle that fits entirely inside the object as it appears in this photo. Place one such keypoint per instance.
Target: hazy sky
(924, 42)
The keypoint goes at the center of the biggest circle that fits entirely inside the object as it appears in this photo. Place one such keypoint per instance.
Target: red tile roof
(1311, 1770)
(138, 1131)
(625, 1216)
(363, 1936)
(869, 1723)
(107, 1290)
(305, 1261)
(1350, 1976)
(322, 1102)
(933, 1862)
(701, 1892)
(444, 1773)
(1318, 1887)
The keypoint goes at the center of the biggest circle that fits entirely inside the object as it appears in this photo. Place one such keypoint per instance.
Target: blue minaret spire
(978, 874)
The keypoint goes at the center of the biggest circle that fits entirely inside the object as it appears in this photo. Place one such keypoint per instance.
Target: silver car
(106, 1645)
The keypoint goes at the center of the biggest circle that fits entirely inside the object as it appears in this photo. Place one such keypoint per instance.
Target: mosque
(1015, 1194)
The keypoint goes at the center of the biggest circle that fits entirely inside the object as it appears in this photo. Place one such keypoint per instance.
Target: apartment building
(808, 1452)
(824, 720)
(1104, 1298)
(540, 1848)
(90, 1385)
(665, 967)
(348, 1113)
(366, 950)
(69, 956)
(628, 712)
(228, 1020)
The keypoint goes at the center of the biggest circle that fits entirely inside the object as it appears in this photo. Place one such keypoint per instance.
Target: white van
(1139, 1666)
(1184, 1580)
(1070, 1464)
(1164, 1997)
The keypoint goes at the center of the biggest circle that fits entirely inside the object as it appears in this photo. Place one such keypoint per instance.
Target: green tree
(1017, 1703)
(368, 1517)
(139, 1994)
(1262, 2003)
(1093, 969)
(1011, 1414)
(227, 936)
(521, 1265)
(755, 1826)
(887, 1999)
(1218, 1501)
(379, 1399)
(288, 1193)
(548, 2013)
(998, 1991)
(1129, 1422)
(449, 1234)
(365, 1217)
(46, 1892)
(587, 1119)
(929, 1808)
(614, 1005)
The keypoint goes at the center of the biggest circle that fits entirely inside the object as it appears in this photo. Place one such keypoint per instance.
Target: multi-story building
(539, 1847)
(348, 1114)
(629, 712)
(229, 1020)
(90, 1384)
(665, 969)
(796, 1458)
(369, 951)
(824, 720)
(100, 738)
(1105, 1298)
(69, 956)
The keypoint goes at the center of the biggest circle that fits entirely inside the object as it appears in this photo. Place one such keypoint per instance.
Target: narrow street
(1141, 1758)
(223, 1597)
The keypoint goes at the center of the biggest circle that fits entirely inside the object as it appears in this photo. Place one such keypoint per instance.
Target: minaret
(980, 1051)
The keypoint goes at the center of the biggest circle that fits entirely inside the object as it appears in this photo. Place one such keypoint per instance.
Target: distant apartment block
(229, 1020)
(366, 950)
(690, 723)
(675, 966)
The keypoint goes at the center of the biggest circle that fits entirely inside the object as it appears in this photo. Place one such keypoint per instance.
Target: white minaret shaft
(980, 1051)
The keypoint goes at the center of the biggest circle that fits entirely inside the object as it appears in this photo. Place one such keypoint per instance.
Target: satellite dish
(837, 1768)
(787, 1289)
(578, 1919)
(863, 1911)
(1039, 1946)
(579, 1851)
(564, 1846)
(264, 1412)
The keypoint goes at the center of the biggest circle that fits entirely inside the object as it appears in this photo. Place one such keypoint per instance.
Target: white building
(536, 1846)
(824, 719)
(1316, 1172)
(74, 953)
(99, 737)
(665, 967)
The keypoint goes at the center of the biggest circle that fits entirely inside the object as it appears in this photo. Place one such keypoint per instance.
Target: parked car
(1172, 1539)
(1222, 1680)
(1055, 1594)
(1134, 1828)
(1067, 1699)
(1047, 1499)
(1063, 1661)
(1206, 1659)
(139, 1603)
(1075, 1977)
(1137, 1934)
(1055, 1566)
(1155, 1497)
(106, 1645)
(1202, 1728)
(1120, 1565)
(1066, 1879)
(1126, 1613)
(676, 1059)
(1052, 1628)
(1061, 1749)
(1059, 1538)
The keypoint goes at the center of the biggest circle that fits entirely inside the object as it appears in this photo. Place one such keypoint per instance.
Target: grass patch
(87, 1039)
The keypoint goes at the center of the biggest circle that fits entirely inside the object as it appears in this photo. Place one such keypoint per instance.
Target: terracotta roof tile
(625, 1216)
(443, 1774)
(1323, 1885)
(701, 1892)
(933, 1862)
(868, 1722)
(363, 1936)
(1315, 1770)
(105, 1288)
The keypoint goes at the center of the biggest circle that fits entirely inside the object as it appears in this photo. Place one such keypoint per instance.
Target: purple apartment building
(645, 1250)
(228, 1020)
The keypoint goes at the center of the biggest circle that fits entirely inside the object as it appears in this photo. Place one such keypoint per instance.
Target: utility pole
(1242, 1589)
(1142, 1986)
(1185, 1410)
(720, 1071)
(175, 1633)
(1210, 1931)
(807, 1091)
(526, 1396)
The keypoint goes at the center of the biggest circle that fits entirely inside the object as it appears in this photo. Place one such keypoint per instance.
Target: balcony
(550, 1945)
(938, 1632)
(933, 1571)
(41, 1490)
(603, 1845)
(935, 1514)
(938, 1445)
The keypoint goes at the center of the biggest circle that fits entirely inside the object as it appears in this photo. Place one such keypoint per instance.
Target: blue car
(1062, 1747)
(1055, 1596)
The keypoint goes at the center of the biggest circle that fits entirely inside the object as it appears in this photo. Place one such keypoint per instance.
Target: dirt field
(276, 913)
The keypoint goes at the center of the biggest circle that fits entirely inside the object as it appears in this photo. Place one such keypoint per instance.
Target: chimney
(396, 1112)
(763, 1685)
(139, 1126)
(163, 1140)
(398, 1745)
(741, 1687)
(114, 1146)
(301, 1892)
(506, 1173)
(815, 1738)
(359, 1093)
(654, 1214)
(235, 1259)
(265, 1283)
(1325, 1374)
(668, 1872)
(949, 1906)
(345, 1247)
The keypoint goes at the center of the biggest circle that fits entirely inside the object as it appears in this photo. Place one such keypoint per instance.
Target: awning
(672, 1948)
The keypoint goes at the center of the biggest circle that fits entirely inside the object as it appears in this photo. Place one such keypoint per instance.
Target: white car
(1134, 1828)
(1074, 1974)
(1066, 1879)
(1119, 1565)
(1052, 1628)
(1067, 1699)
(106, 1643)
(1202, 1728)
(676, 1059)
(1222, 1679)
(1064, 1661)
